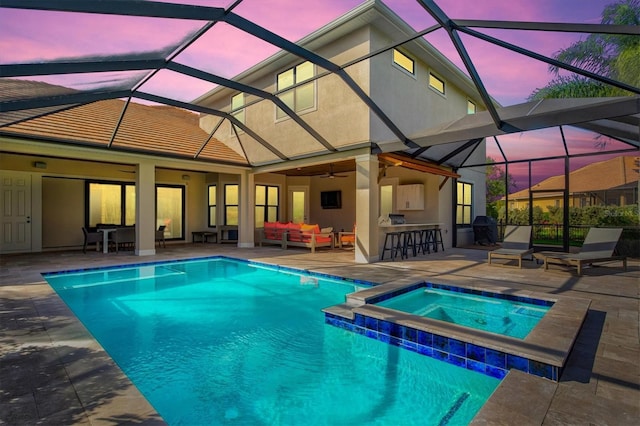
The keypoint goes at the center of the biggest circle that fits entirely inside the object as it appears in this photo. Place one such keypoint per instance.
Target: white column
(145, 209)
(246, 220)
(367, 247)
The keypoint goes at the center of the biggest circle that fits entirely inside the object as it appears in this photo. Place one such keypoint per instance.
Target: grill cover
(485, 230)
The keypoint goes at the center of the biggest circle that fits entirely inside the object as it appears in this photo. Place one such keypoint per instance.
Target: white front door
(15, 200)
(298, 204)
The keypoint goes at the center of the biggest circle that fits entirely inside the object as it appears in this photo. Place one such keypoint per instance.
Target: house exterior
(612, 182)
(62, 171)
(414, 84)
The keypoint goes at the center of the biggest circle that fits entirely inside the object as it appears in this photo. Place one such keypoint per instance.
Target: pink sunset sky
(36, 36)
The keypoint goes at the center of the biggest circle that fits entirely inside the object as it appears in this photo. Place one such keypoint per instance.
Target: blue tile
(495, 358)
(371, 333)
(425, 350)
(442, 356)
(410, 334)
(412, 346)
(440, 343)
(395, 341)
(425, 338)
(457, 347)
(396, 330)
(475, 352)
(480, 367)
(360, 330)
(384, 337)
(371, 323)
(458, 361)
(517, 362)
(498, 373)
(359, 320)
(540, 369)
(384, 327)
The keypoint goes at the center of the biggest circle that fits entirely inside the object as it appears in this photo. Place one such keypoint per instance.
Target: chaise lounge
(516, 245)
(598, 246)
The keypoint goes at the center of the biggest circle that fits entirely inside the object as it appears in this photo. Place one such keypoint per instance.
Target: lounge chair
(346, 238)
(598, 246)
(516, 245)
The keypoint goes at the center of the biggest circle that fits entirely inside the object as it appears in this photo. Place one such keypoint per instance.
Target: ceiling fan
(331, 174)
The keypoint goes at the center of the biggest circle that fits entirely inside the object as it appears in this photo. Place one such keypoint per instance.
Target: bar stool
(429, 239)
(424, 240)
(392, 244)
(437, 239)
(407, 243)
(418, 242)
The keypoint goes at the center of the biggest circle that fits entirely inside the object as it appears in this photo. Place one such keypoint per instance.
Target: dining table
(105, 239)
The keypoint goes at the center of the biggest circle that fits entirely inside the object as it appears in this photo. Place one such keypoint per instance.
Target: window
(464, 205)
(213, 193)
(266, 204)
(110, 203)
(170, 210)
(436, 83)
(300, 98)
(237, 102)
(231, 197)
(114, 203)
(471, 107)
(403, 61)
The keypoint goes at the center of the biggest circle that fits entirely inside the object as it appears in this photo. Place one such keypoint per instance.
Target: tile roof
(598, 176)
(163, 130)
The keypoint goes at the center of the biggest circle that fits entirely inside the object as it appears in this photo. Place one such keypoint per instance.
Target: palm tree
(613, 56)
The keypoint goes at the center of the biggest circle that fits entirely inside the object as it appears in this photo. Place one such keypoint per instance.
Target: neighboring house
(611, 182)
(164, 166)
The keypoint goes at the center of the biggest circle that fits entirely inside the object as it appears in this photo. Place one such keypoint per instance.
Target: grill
(485, 230)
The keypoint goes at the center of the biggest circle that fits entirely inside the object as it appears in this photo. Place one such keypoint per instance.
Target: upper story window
(436, 83)
(471, 107)
(403, 61)
(302, 97)
(237, 110)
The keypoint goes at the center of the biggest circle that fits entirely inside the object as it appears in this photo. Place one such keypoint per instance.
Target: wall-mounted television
(331, 199)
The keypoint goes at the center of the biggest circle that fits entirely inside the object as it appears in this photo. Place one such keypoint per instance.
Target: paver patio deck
(53, 372)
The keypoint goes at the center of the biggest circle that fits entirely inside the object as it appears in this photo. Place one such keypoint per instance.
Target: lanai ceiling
(89, 72)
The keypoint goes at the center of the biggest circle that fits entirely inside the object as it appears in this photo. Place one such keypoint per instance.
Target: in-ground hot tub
(493, 312)
(542, 351)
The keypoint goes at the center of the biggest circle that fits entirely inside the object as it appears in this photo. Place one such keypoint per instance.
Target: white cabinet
(410, 197)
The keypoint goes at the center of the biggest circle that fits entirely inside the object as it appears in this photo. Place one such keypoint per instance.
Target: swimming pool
(217, 341)
(512, 317)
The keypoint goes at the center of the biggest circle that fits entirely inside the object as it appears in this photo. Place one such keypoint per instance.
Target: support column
(145, 209)
(247, 210)
(367, 248)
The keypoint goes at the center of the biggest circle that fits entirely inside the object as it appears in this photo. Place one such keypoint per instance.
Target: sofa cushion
(270, 230)
(294, 233)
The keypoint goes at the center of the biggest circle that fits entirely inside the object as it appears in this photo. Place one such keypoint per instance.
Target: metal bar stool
(407, 243)
(392, 244)
(418, 242)
(437, 239)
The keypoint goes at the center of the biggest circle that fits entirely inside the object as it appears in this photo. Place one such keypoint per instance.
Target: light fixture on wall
(39, 164)
(186, 177)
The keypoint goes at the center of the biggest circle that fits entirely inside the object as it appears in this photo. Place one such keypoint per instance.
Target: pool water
(503, 316)
(219, 341)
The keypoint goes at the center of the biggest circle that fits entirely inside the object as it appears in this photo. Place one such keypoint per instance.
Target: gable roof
(599, 176)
